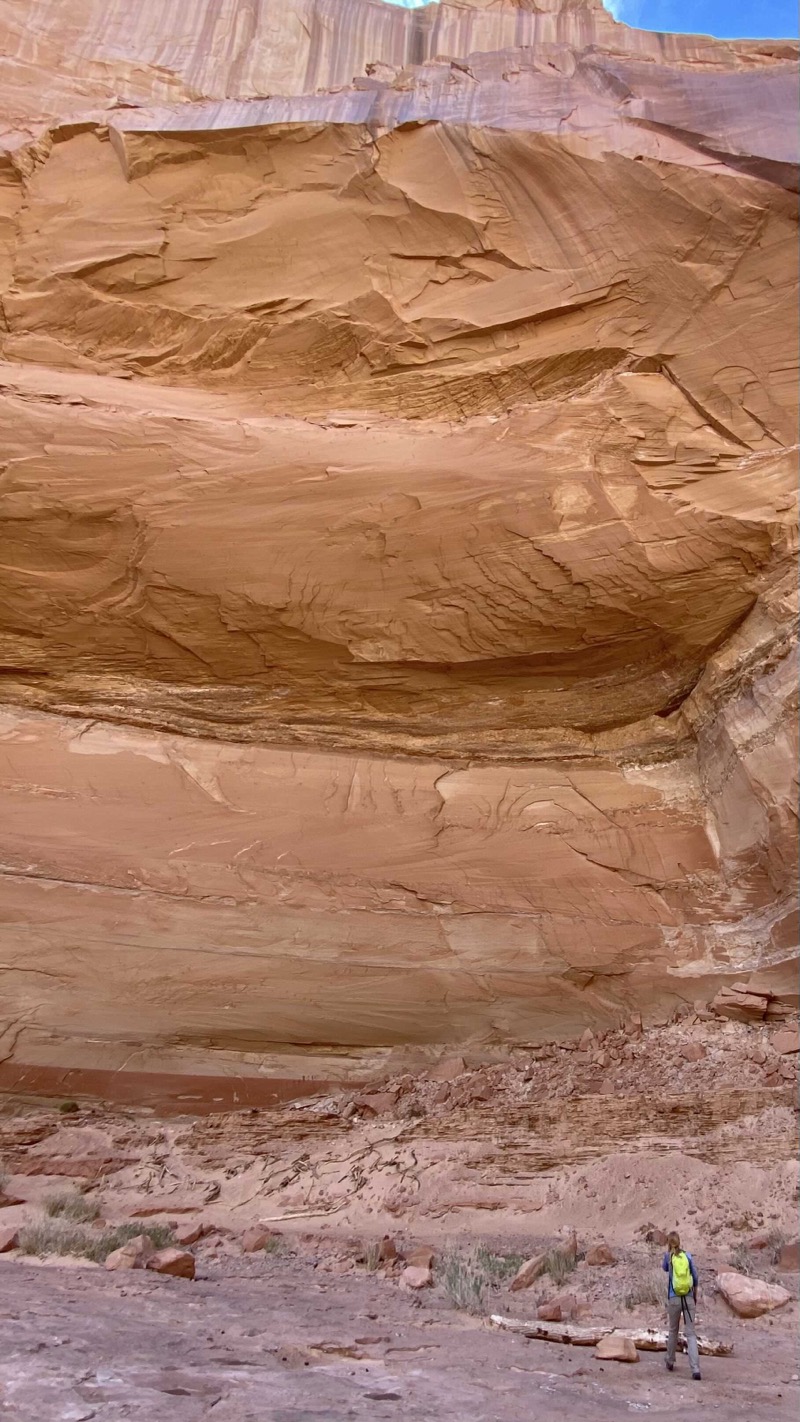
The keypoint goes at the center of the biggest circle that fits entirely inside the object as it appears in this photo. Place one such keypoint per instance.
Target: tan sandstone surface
(397, 523)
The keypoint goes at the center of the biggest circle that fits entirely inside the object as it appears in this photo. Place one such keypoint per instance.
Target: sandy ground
(509, 1156)
(269, 1340)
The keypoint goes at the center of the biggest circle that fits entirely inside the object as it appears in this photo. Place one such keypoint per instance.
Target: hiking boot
(670, 1366)
(696, 1377)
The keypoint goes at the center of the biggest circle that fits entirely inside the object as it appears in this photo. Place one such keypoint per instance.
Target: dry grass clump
(559, 1265)
(71, 1205)
(59, 1237)
(469, 1278)
(651, 1290)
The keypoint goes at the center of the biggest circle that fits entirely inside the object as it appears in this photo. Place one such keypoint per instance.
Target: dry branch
(651, 1340)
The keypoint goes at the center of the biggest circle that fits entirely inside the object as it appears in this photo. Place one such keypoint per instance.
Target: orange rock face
(396, 529)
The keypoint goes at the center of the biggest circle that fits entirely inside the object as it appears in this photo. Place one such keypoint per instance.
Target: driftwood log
(650, 1340)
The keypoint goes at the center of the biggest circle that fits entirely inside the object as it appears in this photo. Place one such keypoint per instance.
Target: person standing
(681, 1301)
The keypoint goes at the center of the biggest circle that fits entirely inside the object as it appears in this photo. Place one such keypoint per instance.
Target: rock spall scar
(397, 528)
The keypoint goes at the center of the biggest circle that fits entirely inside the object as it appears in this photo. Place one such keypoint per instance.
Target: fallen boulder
(600, 1254)
(785, 1043)
(617, 1348)
(9, 1239)
(254, 1239)
(134, 1254)
(178, 1263)
(528, 1273)
(751, 1297)
(415, 1277)
(186, 1234)
(420, 1258)
(549, 1313)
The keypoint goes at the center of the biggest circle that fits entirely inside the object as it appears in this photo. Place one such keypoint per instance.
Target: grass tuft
(58, 1237)
(560, 1265)
(71, 1205)
(465, 1281)
(651, 1291)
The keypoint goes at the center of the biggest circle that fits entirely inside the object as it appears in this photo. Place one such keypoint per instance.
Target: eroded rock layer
(398, 434)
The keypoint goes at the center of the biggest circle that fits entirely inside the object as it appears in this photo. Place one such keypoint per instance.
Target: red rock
(178, 1263)
(773, 1078)
(760, 1241)
(442, 1094)
(188, 1233)
(751, 1297)
(447, 1069)
(571, 1306)
(416, 1277)
(528, 1272)
(788, 1070)
(789, 1257)
(586, 1040)
(377, 1103)
(480, 1092)
(738, 1005)
(8, 1200)
(549, 1312)
(785, 1043)
(134, 1254)
(617, 1349)
(693, 1051)
(600, 1254)
(255, 1238)
(9, 1239)
(421, 1257)
(387, 1250)
(758, 1055)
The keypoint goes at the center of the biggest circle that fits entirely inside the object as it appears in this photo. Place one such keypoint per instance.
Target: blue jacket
(665, 1266)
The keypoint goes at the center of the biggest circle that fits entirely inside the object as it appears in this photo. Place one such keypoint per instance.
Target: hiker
(681, 1301)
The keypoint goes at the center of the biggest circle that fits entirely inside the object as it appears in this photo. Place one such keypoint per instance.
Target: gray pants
(678, 1309)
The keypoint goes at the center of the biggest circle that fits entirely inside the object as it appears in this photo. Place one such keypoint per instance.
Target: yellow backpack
(682, 1281)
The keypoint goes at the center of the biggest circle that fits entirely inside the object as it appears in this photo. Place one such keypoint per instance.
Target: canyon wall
(397, 530)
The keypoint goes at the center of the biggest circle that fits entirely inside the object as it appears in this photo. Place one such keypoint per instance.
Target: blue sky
(728, 19)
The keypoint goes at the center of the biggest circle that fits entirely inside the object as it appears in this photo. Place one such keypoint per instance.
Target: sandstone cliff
(397, 501)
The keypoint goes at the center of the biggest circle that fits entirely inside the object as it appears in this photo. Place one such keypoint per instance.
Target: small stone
(600, 1254)
(442, 1094)
(617, 1349)
(134, 1254)
(788, 1070)
(586, 1041)
(751, 1297)
(178, 1263)
(421, 1258)
(789, 1257)
(387, 1250)
(693, 1051)
(528, 1272)
(785, 1043)
(416, 1277)
(758, 1055)
(9, 1239)
(254, 1239)
(549, 1312)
